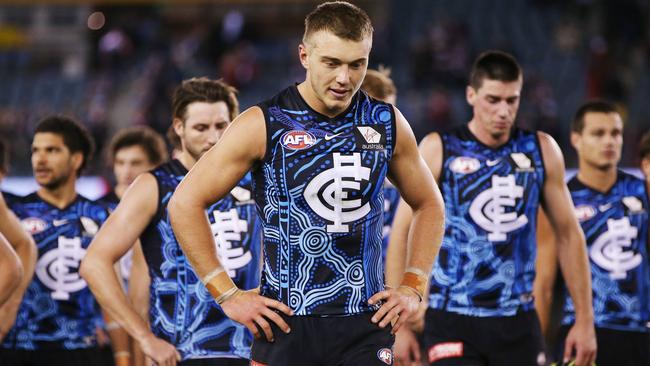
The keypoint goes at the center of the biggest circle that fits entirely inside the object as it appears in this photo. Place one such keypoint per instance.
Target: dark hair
(378, 84)
(644, 146)
(341, 18)
(4, 157)
(203, 90)
(592, 106)
(149, 140)
(75, 136)
(494, 65)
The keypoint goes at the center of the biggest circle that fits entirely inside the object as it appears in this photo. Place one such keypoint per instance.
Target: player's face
(203, 127)
(600, 143)
(52, 162)
(335, 69)
(129, 162)
(495, 105)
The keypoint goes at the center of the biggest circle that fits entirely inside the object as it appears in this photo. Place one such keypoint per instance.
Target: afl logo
(585, 212)
(298, 140)
(385, 355)
(33, 225)
(465, 165)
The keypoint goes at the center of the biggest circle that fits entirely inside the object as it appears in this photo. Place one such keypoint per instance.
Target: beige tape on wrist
(220, 285)
(416, 280)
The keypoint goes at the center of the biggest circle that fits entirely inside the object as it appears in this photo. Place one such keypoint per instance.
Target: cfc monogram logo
(608, 250)
(489, 208)
(228, 229)
(54, 269)
(327, 193)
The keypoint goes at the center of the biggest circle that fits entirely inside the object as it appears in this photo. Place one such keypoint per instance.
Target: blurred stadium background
(114, 63)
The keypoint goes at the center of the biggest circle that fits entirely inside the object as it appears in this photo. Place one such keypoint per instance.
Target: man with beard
(186, 324)
(56, 320)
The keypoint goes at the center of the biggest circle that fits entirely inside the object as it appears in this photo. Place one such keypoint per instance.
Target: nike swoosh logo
(493, 162)
(604, 207)
(59, 222)
(329, 137)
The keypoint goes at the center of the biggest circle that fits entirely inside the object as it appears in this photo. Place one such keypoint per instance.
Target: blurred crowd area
(115, 66)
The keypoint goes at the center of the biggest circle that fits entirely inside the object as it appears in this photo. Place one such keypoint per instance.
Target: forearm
(105, 285)
(27, 253)
(192, 229)
(12, 273)
(425, 236)
(574, 263)
(120, 341)
(543, 301)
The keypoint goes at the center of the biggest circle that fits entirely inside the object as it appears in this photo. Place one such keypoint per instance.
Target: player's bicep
(219, 170)
(431, 151)
(408, 171)
(556, 202)
(124, 226)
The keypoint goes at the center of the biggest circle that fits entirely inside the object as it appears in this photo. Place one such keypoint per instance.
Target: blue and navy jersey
(615, 224)
(182, 311)
(319, 190)
(10, 197)
(111, 200)
(391, 201)
(486, 264)
(58, 310)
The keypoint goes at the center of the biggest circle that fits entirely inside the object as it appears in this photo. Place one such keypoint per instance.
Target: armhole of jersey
(541, 156)
(156, 217)
(267, 151)
(441, 178)
(393, 129)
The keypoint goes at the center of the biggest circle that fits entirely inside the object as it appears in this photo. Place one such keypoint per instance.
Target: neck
(60, 196)
(316, 104)
(186, 159)
(486, 138)
(599, 179)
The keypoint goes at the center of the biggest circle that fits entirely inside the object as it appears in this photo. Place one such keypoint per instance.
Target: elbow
(86, 269)
(175, 208)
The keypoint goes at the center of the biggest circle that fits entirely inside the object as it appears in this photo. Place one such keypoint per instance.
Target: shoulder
(432, 140)
(551, 152)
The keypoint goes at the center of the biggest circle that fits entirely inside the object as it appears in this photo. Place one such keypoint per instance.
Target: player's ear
(303, 55)
(470, 95)
(178, 126)
(77, 160)
(575, 140)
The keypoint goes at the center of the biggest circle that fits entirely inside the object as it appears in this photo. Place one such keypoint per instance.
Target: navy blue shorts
(615, 347)
(454, 339)
(326, 341)
(78, 357)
